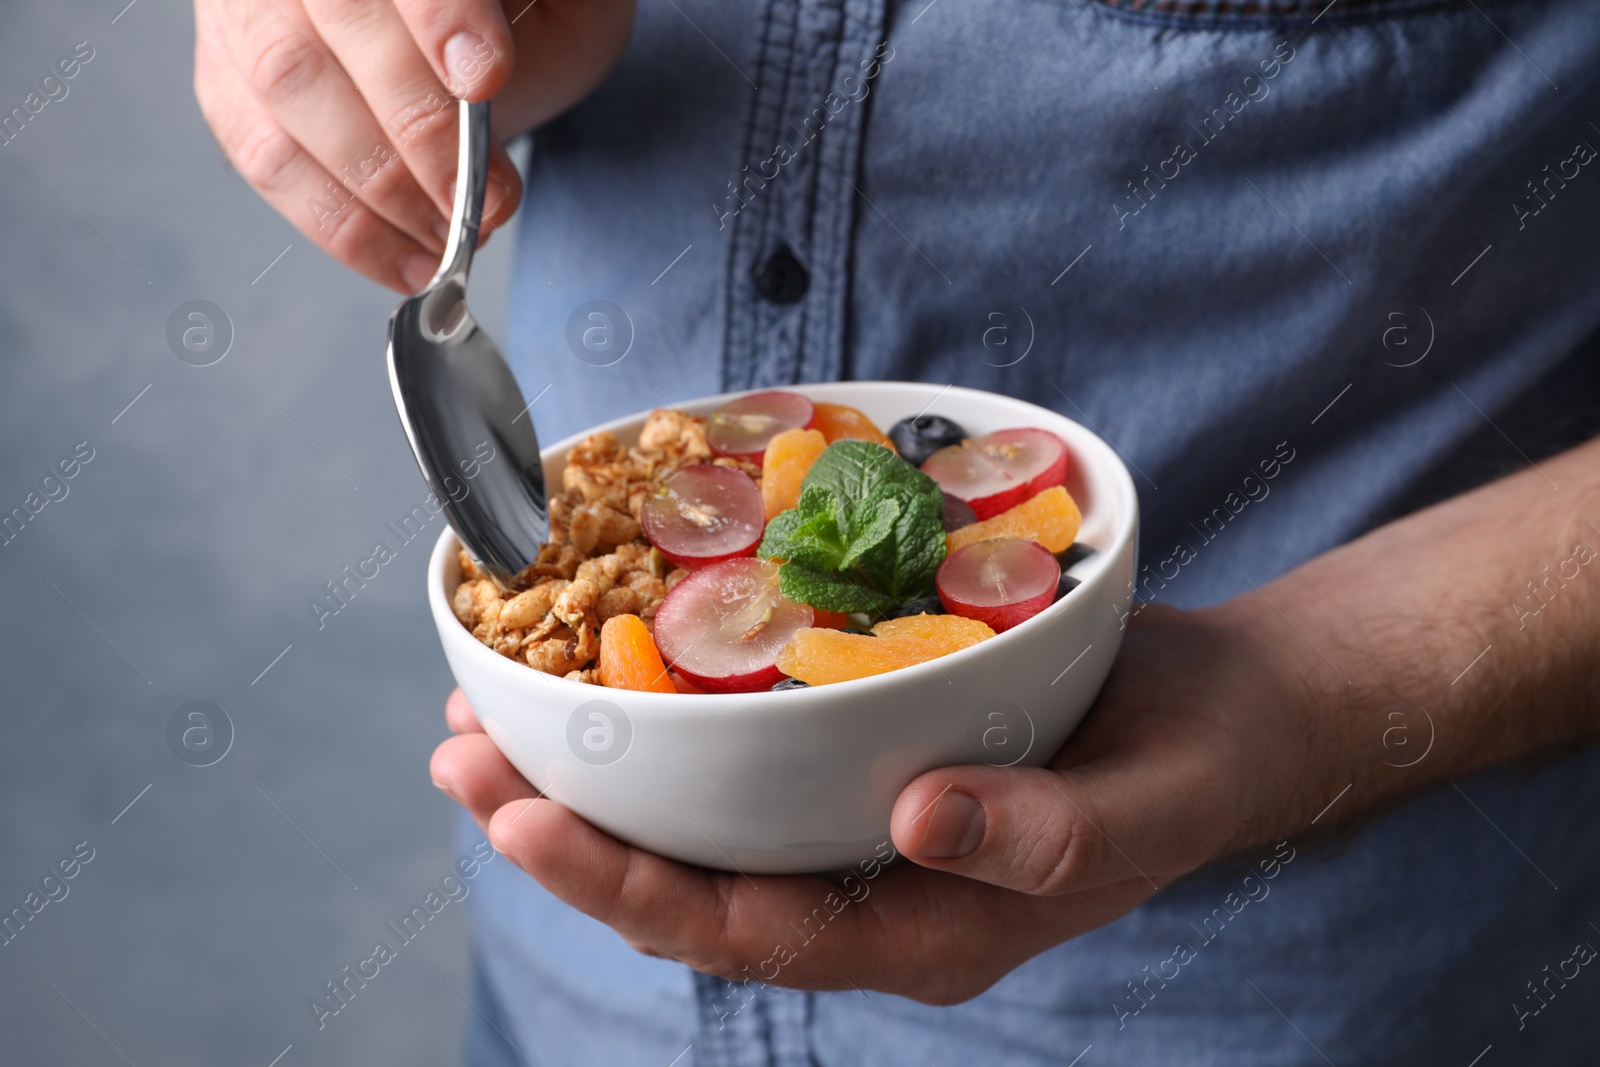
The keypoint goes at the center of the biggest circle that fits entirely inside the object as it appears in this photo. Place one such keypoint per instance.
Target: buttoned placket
(791, 204)
(790, 201)
(790, 198)
(747, 1024)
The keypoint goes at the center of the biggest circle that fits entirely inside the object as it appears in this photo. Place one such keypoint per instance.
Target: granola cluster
(597, 563)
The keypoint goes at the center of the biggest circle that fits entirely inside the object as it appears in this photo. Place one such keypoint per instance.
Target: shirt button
(781, 278)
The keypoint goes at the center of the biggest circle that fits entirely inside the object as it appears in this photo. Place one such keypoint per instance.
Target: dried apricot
(952, 630)
(817, 656)
(789, 455)
(840, 422)
(629, 658)
(1051, 518)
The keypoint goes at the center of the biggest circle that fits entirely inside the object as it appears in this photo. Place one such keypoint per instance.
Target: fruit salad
(780, 543)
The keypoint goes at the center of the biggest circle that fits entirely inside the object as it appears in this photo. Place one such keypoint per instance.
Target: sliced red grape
(741, 428)
(722, 627)
(1000, 470)
(964, 473)
(703, 514)
(1001, 582)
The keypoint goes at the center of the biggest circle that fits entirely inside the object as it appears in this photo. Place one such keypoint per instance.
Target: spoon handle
(472, 175)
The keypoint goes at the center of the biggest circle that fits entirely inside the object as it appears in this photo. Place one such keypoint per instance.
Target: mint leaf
(829, 590)
(865, 535)
(858, 471)
(808, 534)
(871, 524)
(903, 564)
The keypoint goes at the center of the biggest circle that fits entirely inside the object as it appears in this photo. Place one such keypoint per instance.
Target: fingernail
(466, 59)
(955, 826)
(445, 788)
(441, 228)
(417, 271)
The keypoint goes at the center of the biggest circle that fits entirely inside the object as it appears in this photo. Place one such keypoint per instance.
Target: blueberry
(921, 436)
(791, 683)
(928, 605)
(1073, 553)
(1067, 557)
(957, 513)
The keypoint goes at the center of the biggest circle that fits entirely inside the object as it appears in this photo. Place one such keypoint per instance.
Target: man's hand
(1187, 736)
(341, 113)
(1217, 732)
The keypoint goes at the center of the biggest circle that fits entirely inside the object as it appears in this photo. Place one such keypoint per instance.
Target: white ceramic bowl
(804, 780)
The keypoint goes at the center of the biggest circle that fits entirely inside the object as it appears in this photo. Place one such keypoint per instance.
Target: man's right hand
(341, 113)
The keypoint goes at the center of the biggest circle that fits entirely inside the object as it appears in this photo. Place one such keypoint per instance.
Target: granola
(597, 563)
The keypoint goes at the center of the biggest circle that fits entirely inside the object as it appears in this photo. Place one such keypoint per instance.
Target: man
(1310, 267)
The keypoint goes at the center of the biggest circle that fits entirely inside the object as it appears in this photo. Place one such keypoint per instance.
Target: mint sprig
(866, 534)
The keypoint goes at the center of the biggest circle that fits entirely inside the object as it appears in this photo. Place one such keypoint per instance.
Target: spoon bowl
(458, 401)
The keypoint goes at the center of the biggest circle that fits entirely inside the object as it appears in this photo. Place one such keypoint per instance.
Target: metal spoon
(457, 398)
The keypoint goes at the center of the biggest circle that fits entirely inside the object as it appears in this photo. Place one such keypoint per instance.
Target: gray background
(190, 545)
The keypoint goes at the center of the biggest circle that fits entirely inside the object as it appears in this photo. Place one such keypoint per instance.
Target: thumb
(1049, 832)
(467, 42)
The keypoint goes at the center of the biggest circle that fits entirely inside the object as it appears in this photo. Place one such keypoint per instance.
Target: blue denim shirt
(1360, 236)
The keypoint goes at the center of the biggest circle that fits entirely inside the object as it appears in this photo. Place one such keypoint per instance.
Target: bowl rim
(1106, 458)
